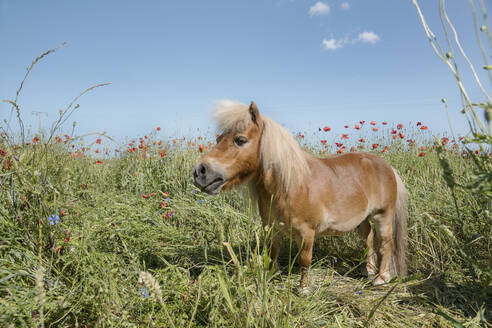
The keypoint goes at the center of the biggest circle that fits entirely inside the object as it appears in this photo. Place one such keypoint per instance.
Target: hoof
(380, 281)
(371, 276)
(303, 291)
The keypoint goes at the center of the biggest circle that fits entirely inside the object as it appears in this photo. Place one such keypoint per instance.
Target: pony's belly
(332, 226)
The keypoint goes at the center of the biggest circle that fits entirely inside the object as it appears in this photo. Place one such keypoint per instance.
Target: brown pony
(308, 196)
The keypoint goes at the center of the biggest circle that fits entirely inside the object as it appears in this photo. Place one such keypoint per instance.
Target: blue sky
(305, 63)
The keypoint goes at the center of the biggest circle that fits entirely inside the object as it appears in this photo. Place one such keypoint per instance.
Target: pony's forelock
(231, 116)
(279, 151)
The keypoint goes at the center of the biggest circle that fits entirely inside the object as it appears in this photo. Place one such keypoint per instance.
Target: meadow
(94, 234)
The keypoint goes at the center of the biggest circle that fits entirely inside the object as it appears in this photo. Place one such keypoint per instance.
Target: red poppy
(374, 129)
(362, 122)
(165, 194)
(419, 123)
(394, 136)
(200, 148)
(424, 127)
(345, 126)
(323, 142)
(402, 136)
(158, 128)
(98, 141)
(339, 144)
(145, 196)
(99, 162)
(374, 146)
(35, 140)
(357, 127)
(421, 154)
(362, 140)
(345, 136)
(163, 153)
(63, 213)
(385, 149)
(341, 150)
(327, 128)
(399, 126)
(373, 122)
(152, 194)
(384, 122)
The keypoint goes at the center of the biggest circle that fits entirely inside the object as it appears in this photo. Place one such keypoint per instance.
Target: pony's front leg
(274, 250)
(305, 242)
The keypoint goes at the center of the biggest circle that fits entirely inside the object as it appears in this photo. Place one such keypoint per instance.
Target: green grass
(205, 265)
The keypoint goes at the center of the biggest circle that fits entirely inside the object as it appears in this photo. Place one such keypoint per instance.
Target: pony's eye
(240, 140)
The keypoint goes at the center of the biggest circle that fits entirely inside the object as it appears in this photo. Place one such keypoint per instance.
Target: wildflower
(335, 260)
(444, 141)
(362, 122)
(421, 154)
(394, 136)
(97, 151)
(163, 153)
(67, 237)
(193, 191)
(158, 128)
(3, 152)
(145, 196)
(63, 213)
(143, 292)
(374, 129)
(168, 200)
(357, 127)
(200, 148)
(35, 140)
(362, 140)
(374, 146)
(164, 195)
(98, 141)
(323, 142)
(201, 201)
(59, 249)
(341, 150)
(384, 123)
(327, 128)
(345, 126)
(402, 136)
(419, 123)
(99, 162)
(385, 149)
(339, 144)
(53, 219)
(424, 127)
(399, 126)
(170, 214)
(345, 136)
(373, 122)
(163, 204)
(152, 194)
(393, 131)
(359, 292)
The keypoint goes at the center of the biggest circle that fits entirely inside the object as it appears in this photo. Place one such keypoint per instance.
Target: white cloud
(333, 44)
(319, 8)
(363, 37)
(368, 37)
(345, 5)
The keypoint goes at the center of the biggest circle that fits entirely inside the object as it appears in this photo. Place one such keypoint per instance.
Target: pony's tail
(400, 228)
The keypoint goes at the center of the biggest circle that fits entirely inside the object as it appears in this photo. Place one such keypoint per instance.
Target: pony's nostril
(203, 170)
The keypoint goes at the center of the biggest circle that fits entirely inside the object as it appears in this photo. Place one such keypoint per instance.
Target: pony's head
(235, 158)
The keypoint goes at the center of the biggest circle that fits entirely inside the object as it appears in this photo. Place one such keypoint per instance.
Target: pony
(305, 196)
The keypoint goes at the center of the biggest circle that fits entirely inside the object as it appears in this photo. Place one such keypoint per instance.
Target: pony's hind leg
(367, 233)
(383, 223)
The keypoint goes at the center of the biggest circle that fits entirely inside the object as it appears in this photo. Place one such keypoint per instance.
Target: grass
(118, 258)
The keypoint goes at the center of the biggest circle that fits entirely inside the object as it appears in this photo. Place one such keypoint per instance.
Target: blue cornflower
(193, 191)
(167, 200)
(53, 219)
(282, 286)
(335, 260)
(359, 292)
(143, 292)
(201, 201)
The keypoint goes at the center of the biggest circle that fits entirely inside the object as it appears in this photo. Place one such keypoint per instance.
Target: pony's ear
(255, 114)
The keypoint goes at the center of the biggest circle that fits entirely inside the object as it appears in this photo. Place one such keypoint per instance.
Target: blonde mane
(279, 151)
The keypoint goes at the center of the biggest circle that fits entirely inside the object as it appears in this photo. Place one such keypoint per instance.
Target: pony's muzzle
(207, 178)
